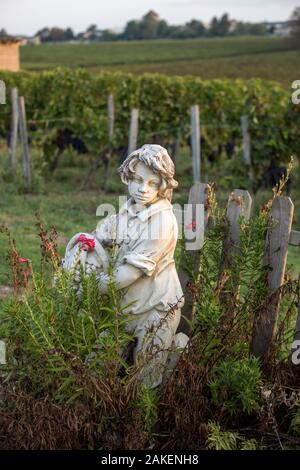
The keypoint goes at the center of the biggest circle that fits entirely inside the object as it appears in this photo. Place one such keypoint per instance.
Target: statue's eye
(136, 179)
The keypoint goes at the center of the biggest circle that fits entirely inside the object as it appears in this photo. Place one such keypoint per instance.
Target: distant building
(278, 28)
(153, 15)
(9, 54)
(35, 40)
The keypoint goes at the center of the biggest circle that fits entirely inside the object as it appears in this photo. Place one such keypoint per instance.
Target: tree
(240, 28)
(3, 33)
(108, 35)
(163, 29)
(92, 28)
(255, 29)
(174, 31)
(91, 33)
(214, 27)
(131, 31)
(44, 34)
(258, 29)
(69, 34)
(195, 28)
(152, 27)
(180, 32)
(224, 25)
(57, 34)
(220, 27)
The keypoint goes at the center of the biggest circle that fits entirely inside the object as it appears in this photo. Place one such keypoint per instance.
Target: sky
(28, 16)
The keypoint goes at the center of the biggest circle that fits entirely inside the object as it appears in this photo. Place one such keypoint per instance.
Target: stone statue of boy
(144, 233)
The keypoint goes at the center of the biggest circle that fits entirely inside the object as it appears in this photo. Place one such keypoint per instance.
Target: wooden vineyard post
(198, 195)
(246, 140)
(24, 142)
(14, 130)
(108, 154)
(239, 204)
(276, 248)
(133, 130)
(247, 146)
(111, 116)
(195, 143)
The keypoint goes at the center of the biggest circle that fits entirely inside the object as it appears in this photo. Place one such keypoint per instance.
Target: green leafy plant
(61, 344)
(147, 402)
(226, 440)
(295, 423)
(221, 440)
(236, 385)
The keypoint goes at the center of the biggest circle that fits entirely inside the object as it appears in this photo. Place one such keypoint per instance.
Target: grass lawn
(243, 57)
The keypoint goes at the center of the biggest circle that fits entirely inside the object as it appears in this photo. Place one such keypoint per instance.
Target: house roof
(9, 40)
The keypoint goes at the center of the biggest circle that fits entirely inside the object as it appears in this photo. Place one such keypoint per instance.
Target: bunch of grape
(90, 268)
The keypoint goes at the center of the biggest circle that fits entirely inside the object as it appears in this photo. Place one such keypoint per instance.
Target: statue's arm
(144, 255)
(123, 276)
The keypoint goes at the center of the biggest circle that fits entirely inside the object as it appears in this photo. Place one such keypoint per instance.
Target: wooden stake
(195, 143)
(14, 130)
(247, 146)
(133, 131)
(111, 115)
(24, 141)
(239, 204)
(276, 248)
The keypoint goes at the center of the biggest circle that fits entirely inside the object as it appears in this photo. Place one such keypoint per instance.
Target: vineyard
(77, 101)
(269, 58)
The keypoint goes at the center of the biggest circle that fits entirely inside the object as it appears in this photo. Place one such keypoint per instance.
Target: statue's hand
(83, 249)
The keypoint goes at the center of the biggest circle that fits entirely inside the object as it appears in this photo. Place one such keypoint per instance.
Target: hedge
(77, 100)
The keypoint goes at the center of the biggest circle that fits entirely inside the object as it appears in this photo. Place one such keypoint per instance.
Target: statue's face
(144, 186)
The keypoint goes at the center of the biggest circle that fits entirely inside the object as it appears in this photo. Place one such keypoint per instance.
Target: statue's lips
(141, 198)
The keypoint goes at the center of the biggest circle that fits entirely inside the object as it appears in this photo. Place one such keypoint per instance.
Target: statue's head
(148, 172)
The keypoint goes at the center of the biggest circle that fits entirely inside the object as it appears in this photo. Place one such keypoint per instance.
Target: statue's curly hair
(160, 162)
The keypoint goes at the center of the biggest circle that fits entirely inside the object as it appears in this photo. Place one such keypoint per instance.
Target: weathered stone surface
(144, 235)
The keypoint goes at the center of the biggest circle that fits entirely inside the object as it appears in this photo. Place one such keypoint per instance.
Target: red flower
(26, 272)
(22, 260)
(87, 243)
(192, 225)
